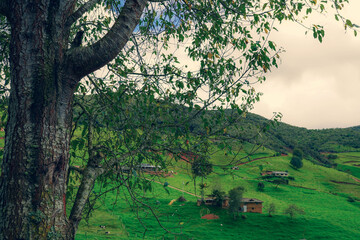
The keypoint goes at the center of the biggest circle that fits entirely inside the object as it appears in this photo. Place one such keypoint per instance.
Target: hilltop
(283, 138)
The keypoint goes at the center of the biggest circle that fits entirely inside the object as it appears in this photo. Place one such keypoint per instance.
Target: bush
(271, 209)
(350, 199)
(292, 210)
(296, 162)
(279, 181)
(260, 186)
(298, 153)
(219, 197)
(332, 156)
(182, 199)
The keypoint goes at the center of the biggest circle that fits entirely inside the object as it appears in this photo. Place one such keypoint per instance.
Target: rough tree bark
(44, 75)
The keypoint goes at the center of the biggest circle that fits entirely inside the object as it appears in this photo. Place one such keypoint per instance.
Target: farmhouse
(247, 204)
(211, 201)
(142, 167)
(275, 173)
(251, 205)
(148, 167)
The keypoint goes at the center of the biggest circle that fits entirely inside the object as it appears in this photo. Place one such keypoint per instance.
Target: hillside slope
(283, 137)
(321, 192)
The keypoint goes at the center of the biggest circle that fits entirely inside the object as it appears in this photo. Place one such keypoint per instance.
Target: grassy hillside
(283, 137)
(329, 196)
(349, 162)
(321, 192)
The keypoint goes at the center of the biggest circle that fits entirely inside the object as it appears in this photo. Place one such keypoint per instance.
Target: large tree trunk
(35, 162)
(44, 75)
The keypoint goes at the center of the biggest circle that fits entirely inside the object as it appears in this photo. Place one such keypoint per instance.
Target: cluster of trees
(281, 137)
(292, 210)
(296, 160)
(49, 53)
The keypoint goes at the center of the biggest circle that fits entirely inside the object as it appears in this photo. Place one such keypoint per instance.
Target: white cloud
(317, 85)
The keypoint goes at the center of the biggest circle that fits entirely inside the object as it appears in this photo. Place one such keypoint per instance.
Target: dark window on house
(252, 208)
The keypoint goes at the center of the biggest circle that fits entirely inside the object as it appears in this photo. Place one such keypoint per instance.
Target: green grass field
(321, 192)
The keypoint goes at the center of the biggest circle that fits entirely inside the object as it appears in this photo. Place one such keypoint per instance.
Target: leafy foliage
(298, 153)
(271, 209)
(235, 197)
(219, 197)
(296, 162)
(260, 186)
(293, 210)
(279, 181)
(201, 167)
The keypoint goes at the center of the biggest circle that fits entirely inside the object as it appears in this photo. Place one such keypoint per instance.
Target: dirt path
(356, 179)
(255, 160)
(178, 189)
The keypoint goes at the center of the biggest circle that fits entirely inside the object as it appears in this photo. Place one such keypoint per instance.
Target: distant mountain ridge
(283, 137)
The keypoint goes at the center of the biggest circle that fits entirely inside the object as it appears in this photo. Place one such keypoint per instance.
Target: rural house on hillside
(142, 167)
(275, 173)
(247, 204)
(251, 205)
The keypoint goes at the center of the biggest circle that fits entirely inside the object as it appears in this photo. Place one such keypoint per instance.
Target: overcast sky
(317, 84)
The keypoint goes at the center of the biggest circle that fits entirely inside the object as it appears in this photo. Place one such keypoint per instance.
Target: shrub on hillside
(297, 152)
(260, 186)
(332, 156)
(279, 181)
(271, 209)
(218, 196)
(350, 199)
(182, 199)
(292, 210)
(296, 162)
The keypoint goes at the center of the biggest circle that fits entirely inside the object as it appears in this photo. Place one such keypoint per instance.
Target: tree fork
(44, 75)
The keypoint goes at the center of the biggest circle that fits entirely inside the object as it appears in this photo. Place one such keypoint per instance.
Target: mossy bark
(44, 75)
(36, 155)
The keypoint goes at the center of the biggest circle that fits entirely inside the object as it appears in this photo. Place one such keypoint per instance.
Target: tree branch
(90, 174)
(81, 11)
(77, 169)
(82, 61)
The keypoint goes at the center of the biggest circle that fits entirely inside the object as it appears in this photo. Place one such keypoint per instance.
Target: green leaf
(349, 23)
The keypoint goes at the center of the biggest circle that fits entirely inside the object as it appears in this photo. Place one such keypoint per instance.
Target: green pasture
(321, 192)
(327, 216)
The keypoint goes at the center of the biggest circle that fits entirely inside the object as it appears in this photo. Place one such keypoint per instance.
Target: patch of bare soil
(356, 180)
(210, 216)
